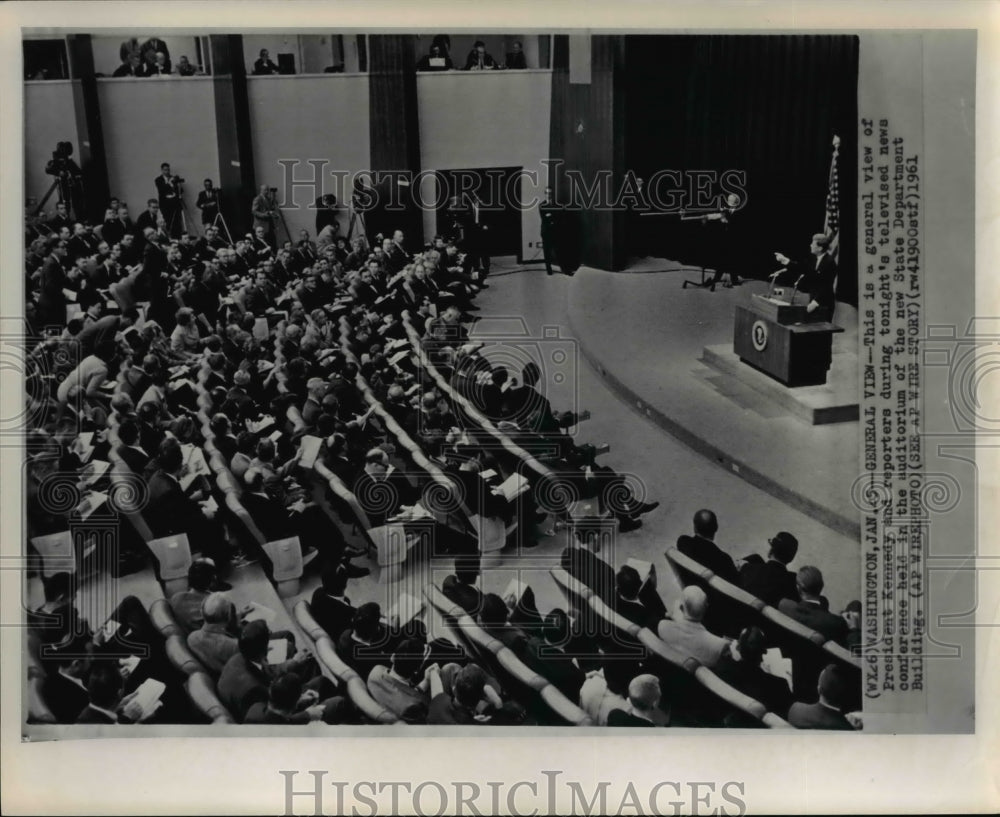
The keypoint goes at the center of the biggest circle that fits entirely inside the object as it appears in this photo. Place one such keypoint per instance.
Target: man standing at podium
(817, 276)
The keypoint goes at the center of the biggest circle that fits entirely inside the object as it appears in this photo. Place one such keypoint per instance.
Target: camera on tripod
(61, 164)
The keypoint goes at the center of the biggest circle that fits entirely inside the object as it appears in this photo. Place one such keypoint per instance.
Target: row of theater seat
(585, 601)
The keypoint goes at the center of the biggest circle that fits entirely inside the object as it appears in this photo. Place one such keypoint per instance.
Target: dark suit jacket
(65, 699)
(242, 684)
(819, 281)
(619, 717)
(808, 663)
(331, 614)
(363, 657)
(751, 680)
(170, 510)
(817, 716)
(587, 567)
(466, 596)
(554, 664)
(709, 554)
(135, 460)
(770, 581)
(815, 617)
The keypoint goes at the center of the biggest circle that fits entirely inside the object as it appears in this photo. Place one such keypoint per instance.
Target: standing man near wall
(265, 212)
(553, 230)
(168, 194)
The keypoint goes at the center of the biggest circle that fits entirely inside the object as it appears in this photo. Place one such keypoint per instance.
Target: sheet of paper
(260, 613)
(512, 487)
(277, 650)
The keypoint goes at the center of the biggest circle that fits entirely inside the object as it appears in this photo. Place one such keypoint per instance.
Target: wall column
(588, 135)
(237, 178)
(89, 148)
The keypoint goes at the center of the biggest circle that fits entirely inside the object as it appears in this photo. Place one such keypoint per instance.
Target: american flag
(832, 224)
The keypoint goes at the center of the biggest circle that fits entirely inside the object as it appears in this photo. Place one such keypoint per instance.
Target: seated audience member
(813, 612)
(214, 643)
(187, 604)
(741, 668)
(128, 448)
(702, 548)
(463, 704)
(637, 600)
(246, 677)
(546, 656)
(643, 705)
(365, 644)
(686, 633)
(185, 339)
(171, 511)
(460, 586)
(104, 691)
(493, 618)
(833, 691)
(772, 581)
(64, 687)
(399, 686)
(331, 609)
(606, 689)
(581, 561)
(285, 704)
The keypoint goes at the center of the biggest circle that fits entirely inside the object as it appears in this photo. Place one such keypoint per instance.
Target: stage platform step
(834, 402)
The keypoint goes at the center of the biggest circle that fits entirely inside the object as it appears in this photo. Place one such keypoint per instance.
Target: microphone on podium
(774, 279)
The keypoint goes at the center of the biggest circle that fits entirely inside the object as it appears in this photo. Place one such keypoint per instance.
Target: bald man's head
(705, 524)
(694, 603)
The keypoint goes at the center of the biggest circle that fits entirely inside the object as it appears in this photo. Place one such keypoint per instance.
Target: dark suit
(171, 511)
(52, 301)
(619, 717)
(819, 282)
(554, 664)
(752, 680)
(770, 581)
(65, 699)
(242, 684)
(363, 657)
(710, 555)
(332, 614)
(170, 204)
(135, 460)
(466, 596)
(591, 570)
(808, 663)
(113, 230)
(817, 716)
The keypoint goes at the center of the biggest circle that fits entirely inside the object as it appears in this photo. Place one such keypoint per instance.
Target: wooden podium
(783, 340)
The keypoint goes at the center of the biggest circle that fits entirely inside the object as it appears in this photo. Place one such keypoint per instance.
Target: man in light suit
(686, 633)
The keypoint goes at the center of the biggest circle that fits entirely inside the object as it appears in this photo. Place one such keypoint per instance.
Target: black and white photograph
(456, 388)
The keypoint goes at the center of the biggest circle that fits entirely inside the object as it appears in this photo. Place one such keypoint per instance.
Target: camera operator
(68, 176)
(168, 191)
(265, 211)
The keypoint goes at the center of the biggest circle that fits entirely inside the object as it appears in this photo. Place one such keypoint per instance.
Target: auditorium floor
(650, 333)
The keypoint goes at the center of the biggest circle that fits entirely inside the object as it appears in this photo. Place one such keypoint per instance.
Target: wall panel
(49, 118)
(149, 122)
(302, 118)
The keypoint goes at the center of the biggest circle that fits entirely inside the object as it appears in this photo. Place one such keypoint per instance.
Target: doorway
(498, 193)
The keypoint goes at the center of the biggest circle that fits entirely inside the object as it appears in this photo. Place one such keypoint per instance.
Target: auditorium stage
(646, 337)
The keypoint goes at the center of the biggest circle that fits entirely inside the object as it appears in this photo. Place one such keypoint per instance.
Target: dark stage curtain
(766, 105)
